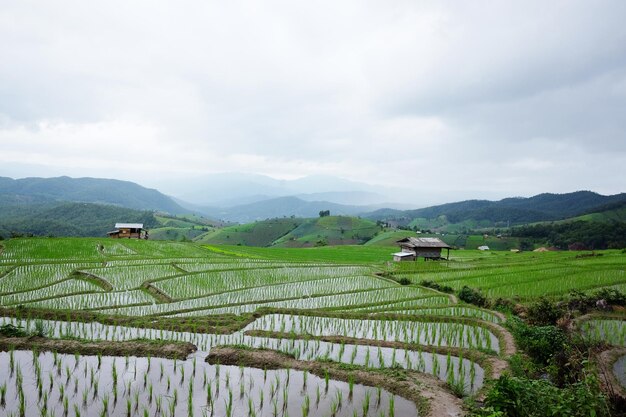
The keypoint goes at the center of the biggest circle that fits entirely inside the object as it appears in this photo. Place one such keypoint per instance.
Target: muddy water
(91, 385)
(619, 369)
(447, 368)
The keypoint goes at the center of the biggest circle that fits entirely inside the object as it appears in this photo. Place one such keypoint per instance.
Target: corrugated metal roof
(424, 242)
(129, 225)
(403, 254)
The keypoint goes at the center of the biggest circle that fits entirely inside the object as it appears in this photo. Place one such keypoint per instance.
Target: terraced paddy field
(354, 342)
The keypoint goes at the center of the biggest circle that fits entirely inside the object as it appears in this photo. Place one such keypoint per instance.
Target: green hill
(67, 219)
(477, 214)
(330, 230)
(89, 190)
(295, 232)
(262, 233)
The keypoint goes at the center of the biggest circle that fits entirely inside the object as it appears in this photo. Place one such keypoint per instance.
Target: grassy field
(327, 305)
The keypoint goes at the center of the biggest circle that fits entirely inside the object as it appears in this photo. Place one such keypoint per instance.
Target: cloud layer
(449, 99)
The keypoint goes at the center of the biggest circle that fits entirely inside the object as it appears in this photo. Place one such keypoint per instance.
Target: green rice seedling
(22, 404)
(136, 399)
(190, 399)
(175, 396)
(158, 401)
(105, 404)
(172, 407)
(12, 360)
(379, 392)
(146, 413)
(209, 395)
(285, 398)
(150, 393)
(229, 404)
(392, 406)
(85, 394)
(366, 403)
(66, 403)
(162, 370)
(326, 380)
(350, 386)
(317, 395)
(339, 398)
(3, 394)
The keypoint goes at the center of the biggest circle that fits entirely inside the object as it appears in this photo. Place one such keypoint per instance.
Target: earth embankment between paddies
(143, 348)
(429, 394)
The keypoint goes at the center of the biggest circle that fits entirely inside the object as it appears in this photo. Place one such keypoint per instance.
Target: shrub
(540, 342)
(612, 296)
(404, 281)
(472, 296)
(544, 313)
(9, 330)
(521, 397)
(436, 286)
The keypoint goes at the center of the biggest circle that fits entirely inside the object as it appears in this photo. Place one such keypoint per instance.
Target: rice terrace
(97, 327)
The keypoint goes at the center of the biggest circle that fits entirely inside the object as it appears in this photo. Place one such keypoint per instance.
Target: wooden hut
(128, 231)
(423, 247)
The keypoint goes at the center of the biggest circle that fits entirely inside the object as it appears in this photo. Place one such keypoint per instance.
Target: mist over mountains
(242, 198)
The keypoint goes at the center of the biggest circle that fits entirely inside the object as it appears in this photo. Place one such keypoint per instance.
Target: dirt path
(428, 393)
(172, 350)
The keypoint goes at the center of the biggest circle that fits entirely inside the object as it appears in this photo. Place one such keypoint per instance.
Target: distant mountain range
(29, 204)
(88, 190)
(508, 211)
(234, 189)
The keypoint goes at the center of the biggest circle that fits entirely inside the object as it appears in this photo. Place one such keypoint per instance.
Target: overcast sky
(479, 98)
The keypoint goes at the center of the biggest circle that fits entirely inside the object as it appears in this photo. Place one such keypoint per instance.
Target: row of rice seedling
(457, 371)
(96, 300)
(165, 249)
(422, 333)
(230, 263)
(611, 331)
(66, 287)
(584, 280)
(336, 302)
(124, 277)
(30, 277)
(260, 295)
(201, 284)
(45, 249)
(407, 308)
(53, 384)
(461, 374)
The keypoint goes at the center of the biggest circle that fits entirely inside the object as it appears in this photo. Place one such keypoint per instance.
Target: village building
(412, 248)
(128, 231)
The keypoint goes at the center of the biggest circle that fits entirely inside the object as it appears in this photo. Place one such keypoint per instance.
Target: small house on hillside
(128, 231)
(424, 247)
